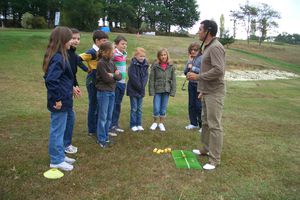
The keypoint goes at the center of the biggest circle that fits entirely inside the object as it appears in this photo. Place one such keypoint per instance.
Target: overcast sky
(288, 9)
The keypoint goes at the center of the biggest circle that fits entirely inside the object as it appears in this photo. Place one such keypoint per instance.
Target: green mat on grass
(185, 159)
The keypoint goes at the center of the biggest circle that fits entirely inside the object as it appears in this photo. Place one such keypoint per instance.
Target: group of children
(106, 86)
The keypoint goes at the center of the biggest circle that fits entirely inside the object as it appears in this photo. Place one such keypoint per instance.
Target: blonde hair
(159, 54)
(58, 38)
(139, 50)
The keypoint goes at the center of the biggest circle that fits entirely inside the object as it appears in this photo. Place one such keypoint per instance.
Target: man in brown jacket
(211, 86)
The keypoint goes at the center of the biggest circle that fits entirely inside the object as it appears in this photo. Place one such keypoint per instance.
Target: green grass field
(261, 120)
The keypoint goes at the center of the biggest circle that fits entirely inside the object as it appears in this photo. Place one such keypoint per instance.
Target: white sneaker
(69, 160)
(191, 126)
(196, 151)
(200, 130)
(140, 128)
(118, 129)
(161, 127)
(71, 149)
(112, 134)
(63, 166)
(208, 166)
(134, 129)
(153, 126)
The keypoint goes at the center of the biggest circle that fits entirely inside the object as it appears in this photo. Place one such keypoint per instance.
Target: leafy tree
(226, 39)
(253, 29)
(222, 25)
(184, 13)
(266, 20)
(235, 17)
(82, 14)
(246, 14)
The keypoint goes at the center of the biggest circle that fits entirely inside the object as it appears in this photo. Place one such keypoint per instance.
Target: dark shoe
(92, 134)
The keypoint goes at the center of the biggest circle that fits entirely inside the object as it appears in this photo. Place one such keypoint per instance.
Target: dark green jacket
(161, 81)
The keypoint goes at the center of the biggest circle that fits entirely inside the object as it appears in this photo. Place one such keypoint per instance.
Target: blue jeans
(92, 111)
(136, 111)
(106, 100)
(58, 121)
(160, 103)
(194, 105)
(69, 128)
(119, 93)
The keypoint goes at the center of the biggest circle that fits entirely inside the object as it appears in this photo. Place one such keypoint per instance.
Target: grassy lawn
(260, 158)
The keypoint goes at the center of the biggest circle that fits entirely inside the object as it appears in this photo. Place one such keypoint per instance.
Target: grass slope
(260, 157)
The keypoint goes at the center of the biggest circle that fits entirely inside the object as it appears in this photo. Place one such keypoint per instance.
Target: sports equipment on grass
(53, 174)
(185, 159)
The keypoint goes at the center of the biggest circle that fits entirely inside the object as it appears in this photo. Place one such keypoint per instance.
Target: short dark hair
(211, 26)
(119, 38)
(74, 30)
(99, 35)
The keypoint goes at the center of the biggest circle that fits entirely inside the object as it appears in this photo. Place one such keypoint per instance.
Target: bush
(27, 20)
(39, 22)
(172, 34)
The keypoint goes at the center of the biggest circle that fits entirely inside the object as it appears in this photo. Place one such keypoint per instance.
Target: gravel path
(250, 75)
(239, 75)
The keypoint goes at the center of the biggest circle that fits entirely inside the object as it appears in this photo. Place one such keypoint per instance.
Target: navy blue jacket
(75, 61)
(138, 76)
(59, 81)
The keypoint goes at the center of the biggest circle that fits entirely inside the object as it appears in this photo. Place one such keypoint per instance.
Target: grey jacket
(161, 81)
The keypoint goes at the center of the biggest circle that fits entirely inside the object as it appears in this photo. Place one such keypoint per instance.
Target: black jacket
(75, 61)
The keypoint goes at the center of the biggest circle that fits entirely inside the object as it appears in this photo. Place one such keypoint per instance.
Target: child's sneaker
(191, 126)
(140, 128)
(69, 160)
(112, 133)
(71, 149)
(153, 126)
(103, 145)
(63, 166)
(118, 129)
(161, 127)
(134, 129)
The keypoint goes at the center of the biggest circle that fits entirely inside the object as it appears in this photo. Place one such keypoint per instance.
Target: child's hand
(111, 75)
(76, 92)
(58, 105)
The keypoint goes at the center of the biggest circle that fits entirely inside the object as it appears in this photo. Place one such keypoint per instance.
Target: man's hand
(200, 96)
(58, 105)
(191, 76)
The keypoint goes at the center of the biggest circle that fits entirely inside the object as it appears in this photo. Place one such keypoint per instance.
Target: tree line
(84, 14)
(256, 19)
